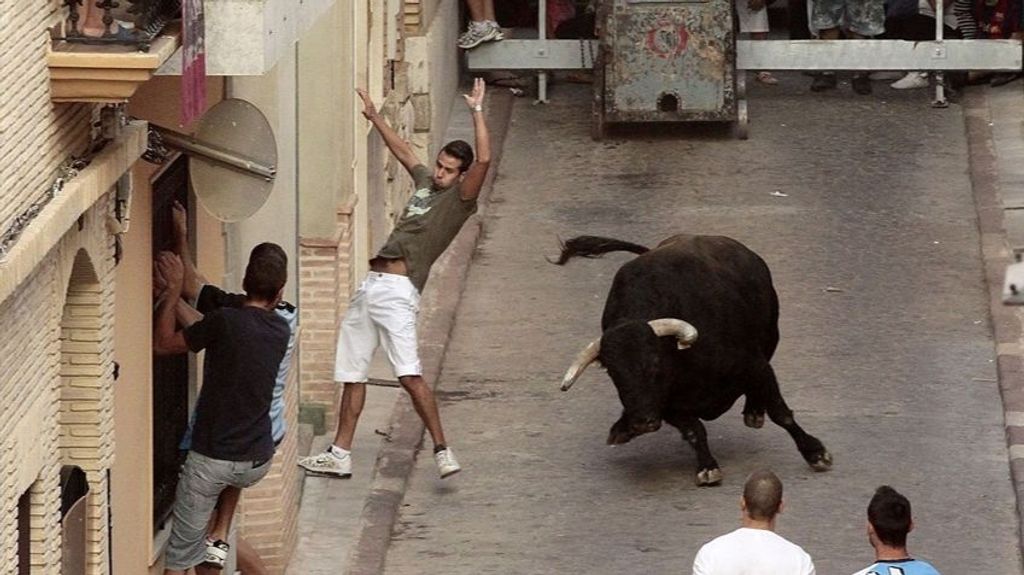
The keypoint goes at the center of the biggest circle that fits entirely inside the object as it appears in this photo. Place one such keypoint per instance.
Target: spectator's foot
(478, 33)
(499, 35)
(766, 77)
(327, 464)
(861, 84)
(447, 465)
(824, 81)
(216, 553)
(885, 75)
(122, 32)
(1003, 78)
(911, 81)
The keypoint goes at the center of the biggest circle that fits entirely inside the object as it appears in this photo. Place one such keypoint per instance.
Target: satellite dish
(233, 160)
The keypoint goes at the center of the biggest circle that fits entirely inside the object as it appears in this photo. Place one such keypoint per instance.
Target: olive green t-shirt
(430, 222)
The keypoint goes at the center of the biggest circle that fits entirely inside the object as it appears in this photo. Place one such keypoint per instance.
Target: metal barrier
(544, 55)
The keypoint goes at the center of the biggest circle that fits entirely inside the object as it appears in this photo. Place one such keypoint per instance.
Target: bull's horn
(585, 358)
(685, 333)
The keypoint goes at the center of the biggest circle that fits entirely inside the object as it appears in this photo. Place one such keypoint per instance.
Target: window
(170, 373)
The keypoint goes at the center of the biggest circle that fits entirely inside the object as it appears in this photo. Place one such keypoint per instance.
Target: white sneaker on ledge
(478, 33)
(446, 463)
(327, 464)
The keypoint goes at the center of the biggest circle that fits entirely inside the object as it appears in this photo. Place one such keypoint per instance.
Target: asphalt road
(886, 352)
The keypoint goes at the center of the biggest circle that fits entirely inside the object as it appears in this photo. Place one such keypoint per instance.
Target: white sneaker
(328, 464)
(216, 553)
(911, 81)
(446, 463)
(886, 75)
(498, 34)
(478, 33)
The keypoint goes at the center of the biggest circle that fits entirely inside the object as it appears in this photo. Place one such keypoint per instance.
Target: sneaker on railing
(328, 464)
(446, 463)
(478, 33)
(216, 553)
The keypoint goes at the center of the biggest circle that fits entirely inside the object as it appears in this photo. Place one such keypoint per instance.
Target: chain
(67, 171)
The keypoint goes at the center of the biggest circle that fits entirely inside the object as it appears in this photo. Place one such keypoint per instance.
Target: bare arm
(474, 178)
(186, 314)
(192, 281)
(399, 147)
(166, 339)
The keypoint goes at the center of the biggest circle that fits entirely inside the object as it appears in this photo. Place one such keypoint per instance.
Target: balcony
(248, 37)
(108, 66)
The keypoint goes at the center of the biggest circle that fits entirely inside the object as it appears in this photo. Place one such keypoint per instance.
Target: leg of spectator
(226, 505)
(798, 25)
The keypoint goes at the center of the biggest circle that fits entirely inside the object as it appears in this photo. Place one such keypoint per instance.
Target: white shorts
(751, 21)
(382, 312)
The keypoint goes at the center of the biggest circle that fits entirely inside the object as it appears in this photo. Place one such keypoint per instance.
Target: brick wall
(268, 516)
(325, 284)
(38, 135)
(55, 401)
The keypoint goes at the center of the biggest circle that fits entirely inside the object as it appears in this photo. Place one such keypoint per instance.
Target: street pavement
(862, 208)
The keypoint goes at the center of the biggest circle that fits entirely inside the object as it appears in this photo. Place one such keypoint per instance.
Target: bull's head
(632, 352)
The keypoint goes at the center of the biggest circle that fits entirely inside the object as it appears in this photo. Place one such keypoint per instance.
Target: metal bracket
(191, 145)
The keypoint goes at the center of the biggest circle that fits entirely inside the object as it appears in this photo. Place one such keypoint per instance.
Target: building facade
(89, 418)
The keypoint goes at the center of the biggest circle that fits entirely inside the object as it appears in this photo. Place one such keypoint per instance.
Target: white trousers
(382, 312)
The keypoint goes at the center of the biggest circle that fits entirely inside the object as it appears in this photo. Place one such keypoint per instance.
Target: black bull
(715, 298)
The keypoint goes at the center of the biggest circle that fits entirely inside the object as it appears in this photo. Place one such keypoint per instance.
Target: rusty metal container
(667, 61)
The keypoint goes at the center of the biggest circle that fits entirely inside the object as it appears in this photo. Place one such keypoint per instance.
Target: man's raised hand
(369, 109)
(475, 99)
(169, 266)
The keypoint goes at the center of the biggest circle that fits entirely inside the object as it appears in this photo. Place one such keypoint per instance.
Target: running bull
(658, 303)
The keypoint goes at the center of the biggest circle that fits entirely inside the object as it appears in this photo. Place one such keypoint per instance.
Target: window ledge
(78, 196)
(107, 74)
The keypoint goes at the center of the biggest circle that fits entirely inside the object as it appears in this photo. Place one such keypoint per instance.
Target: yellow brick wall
(55, 407)
(325, 284)
(35, 135)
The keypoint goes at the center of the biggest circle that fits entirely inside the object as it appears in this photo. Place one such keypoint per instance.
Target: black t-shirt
(244, 347)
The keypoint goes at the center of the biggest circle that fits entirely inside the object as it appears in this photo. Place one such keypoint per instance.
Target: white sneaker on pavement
(446, 462)
(328, 464)
(911, 81)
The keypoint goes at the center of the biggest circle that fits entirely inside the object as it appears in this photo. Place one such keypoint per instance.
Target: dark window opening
(24, 533)
(170, 373)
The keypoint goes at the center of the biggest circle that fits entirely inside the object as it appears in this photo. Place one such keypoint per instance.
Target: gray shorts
(865, 17)
(201, 481)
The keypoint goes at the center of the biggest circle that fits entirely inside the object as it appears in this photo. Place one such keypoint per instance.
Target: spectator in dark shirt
(232, 442)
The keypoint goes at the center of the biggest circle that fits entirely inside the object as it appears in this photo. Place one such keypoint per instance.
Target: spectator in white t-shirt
(755, 548)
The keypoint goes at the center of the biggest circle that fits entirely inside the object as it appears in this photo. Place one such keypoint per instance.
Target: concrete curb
(397, 457)
(1006, 324)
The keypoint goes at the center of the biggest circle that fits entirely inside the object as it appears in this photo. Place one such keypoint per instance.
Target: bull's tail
(595, 246)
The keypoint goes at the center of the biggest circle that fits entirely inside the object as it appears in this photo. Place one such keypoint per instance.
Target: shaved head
(762, 494)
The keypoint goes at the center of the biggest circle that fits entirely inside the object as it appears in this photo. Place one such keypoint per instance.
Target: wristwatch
(478, 108)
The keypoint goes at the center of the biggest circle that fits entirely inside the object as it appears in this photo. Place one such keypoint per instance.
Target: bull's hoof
(708, 477)
(755, 420)
(821, 462)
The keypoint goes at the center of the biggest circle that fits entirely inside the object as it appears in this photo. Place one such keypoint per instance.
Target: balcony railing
(149, 17)
(109, 67)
